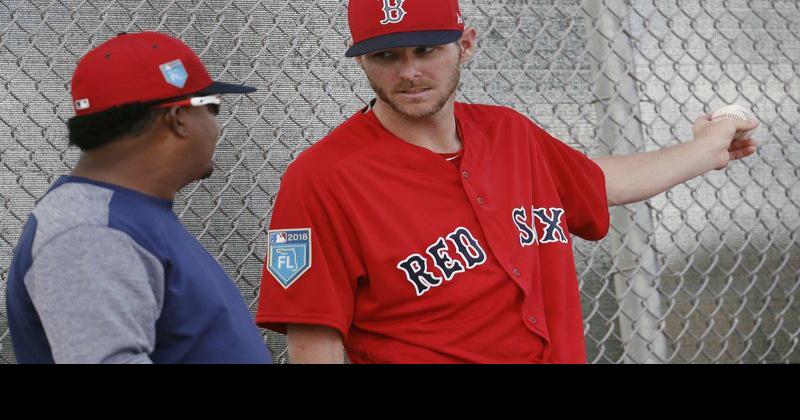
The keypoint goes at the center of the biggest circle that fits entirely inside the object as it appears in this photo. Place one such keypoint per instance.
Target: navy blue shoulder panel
(204, 318)
(27, 335)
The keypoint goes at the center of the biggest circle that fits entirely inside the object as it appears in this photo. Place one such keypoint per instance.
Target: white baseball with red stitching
(735, 112)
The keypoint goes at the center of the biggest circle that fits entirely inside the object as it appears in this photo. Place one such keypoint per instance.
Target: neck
(437, 133)
(135, 168)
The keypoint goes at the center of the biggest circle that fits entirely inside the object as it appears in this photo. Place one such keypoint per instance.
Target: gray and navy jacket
(104, 274)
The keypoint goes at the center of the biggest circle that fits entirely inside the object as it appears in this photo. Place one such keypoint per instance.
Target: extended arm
(637, 177)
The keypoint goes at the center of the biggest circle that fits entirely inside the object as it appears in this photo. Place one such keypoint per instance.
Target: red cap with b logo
(382, 24)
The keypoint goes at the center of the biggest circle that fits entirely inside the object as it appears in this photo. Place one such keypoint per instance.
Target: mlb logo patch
(289, 255)
(81, 104)
(174, 73)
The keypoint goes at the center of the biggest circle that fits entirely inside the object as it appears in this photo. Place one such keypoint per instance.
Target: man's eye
(425, 50)
(384, 55)
(214, 108)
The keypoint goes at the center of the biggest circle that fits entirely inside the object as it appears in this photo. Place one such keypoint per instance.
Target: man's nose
(409, 67)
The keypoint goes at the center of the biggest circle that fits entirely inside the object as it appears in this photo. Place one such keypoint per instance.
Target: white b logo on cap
(394, 13)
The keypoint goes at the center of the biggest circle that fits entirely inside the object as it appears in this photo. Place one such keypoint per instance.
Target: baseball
(735, 112)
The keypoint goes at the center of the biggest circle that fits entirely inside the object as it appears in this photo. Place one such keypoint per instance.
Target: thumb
(701, 123)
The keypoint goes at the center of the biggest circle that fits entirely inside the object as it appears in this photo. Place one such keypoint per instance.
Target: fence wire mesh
(708, 272)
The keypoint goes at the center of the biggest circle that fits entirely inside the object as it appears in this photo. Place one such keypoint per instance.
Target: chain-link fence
(708, 272)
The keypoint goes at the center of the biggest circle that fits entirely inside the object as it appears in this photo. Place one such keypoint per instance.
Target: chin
(419, 115)
(417, 110)
(207, 174)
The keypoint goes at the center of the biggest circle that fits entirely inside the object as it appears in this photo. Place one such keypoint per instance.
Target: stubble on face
(417, 113)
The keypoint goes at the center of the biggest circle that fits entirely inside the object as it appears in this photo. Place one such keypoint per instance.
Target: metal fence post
(620, 132)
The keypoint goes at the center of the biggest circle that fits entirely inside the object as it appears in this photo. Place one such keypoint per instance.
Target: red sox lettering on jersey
(416, 266)
(549, 219)
(464, 244)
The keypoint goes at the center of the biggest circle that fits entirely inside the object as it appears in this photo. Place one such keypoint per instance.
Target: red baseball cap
(377, 25)
(141, 67)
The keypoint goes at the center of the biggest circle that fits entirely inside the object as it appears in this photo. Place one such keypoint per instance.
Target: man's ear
(468, 43)
(176, 120)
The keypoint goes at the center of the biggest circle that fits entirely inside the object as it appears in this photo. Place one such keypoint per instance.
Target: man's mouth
(414, 92)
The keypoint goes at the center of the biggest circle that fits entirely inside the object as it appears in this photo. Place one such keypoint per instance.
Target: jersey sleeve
(98, 296)
(581, 186)
(323, 292)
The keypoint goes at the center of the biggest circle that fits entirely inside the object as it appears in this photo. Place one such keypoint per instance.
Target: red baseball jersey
(415, 260)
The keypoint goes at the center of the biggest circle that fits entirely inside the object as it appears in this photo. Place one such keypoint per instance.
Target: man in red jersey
(423, 230)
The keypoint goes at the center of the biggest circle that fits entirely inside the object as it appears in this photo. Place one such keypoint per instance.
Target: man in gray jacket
(104, 271)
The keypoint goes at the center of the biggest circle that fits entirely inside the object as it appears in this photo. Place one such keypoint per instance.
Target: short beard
(438, 104)
(208, 173)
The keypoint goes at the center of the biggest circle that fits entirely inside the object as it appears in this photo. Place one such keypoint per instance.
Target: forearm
(313, 344)
(637, 177)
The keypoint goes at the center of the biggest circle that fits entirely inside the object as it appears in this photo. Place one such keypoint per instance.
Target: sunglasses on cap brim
(195, 101)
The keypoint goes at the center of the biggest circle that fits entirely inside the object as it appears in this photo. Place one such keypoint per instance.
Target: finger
(741, 144)
(744, 125)
(744, 135)
(743, 152)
